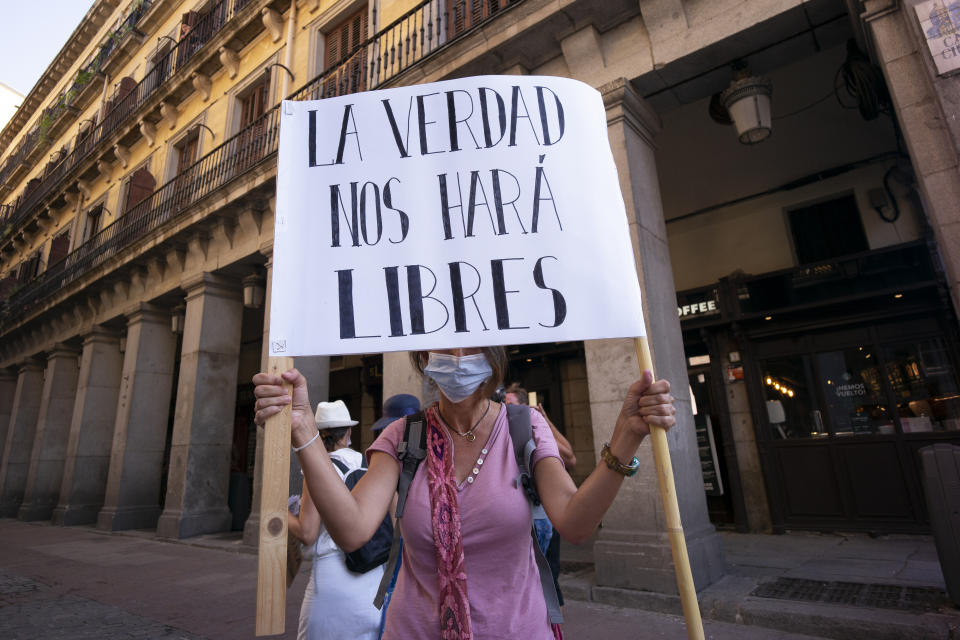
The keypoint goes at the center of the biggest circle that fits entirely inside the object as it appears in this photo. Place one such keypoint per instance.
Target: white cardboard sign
(474, 212)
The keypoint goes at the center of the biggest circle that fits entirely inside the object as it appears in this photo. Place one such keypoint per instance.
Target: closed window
(93, 222)
(342, 57)
(139, 188)
(59, 247)
(826, 230)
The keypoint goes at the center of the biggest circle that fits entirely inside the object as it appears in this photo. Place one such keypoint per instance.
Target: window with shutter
(59, 247)
(29, 269)
(94, 219)
(250, 142)
(466, 14)
(7, 284)
(187, 22)
(344, 61)
(187, 153)
(140, 187)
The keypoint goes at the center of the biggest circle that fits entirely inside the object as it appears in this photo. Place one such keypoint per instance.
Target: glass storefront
(860, 391)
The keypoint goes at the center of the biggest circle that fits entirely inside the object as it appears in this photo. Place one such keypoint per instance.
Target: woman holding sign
(469, 567)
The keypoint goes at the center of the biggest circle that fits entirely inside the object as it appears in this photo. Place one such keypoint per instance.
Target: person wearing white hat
(338, 604)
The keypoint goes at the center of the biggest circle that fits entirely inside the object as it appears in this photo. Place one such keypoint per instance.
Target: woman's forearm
(350, 518)
(581, 511)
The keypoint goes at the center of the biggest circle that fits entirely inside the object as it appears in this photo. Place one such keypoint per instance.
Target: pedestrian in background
(549, 543)
(338, 603)
(395, 407)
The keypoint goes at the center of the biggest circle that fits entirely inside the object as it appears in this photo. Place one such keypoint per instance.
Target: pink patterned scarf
(454, 607)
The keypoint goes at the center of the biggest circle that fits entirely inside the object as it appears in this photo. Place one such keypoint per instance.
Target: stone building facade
(138, 177)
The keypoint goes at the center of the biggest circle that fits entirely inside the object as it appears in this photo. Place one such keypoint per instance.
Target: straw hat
(331, 415)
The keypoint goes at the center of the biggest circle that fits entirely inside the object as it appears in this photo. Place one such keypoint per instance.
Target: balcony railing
(85, 76)
(249, 148)
(122, 105)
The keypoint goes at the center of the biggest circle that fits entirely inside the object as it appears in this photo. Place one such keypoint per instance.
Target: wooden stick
(668, 494)
(272, 568)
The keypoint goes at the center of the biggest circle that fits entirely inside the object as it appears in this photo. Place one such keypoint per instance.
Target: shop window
(790, 403)
(59, 247)
(924, 384)
(853, 396)
(93, 222)
(140, 187)
(827, 230)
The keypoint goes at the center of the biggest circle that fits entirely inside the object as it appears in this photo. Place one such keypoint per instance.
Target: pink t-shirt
(506, 599)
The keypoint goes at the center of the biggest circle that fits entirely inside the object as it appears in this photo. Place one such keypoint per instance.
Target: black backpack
(411, 452)
(377, 549)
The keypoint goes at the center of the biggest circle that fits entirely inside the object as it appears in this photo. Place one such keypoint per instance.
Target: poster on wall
(472, 212)
(940, 25)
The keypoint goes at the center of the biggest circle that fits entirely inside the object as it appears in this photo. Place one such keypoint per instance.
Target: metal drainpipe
(288, 54)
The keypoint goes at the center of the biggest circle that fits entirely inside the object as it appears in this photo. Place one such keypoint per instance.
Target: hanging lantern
(747, 100)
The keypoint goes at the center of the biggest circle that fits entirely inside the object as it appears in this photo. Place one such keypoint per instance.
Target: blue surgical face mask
(458, 377)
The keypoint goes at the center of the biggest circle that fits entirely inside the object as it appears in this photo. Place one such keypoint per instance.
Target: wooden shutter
(187, 153)
(59, 247)
(254, 104)
(127, 84)
(187, 22)
(140, 187)
(342, 41)
(29, 268)
(466, 14)
(93, 222)
(32, 184)
(7, 284)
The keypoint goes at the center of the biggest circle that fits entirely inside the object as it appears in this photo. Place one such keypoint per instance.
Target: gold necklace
(469, 435)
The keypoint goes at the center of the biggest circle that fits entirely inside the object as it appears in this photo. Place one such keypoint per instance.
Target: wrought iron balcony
(123, 105)
(392, 50)
(51, 114)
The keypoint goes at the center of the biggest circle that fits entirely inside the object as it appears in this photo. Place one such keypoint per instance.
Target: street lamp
(254, 291)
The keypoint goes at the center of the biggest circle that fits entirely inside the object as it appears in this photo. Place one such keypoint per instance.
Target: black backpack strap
(339, 465)
(411, 451)
(521, 434)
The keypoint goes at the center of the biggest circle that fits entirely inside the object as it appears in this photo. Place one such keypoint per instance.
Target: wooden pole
(272, 567)
(671, 510)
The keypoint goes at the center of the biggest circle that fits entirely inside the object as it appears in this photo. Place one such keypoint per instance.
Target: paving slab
(842, 564)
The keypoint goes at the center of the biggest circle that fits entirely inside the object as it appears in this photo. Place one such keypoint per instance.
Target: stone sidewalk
(78, 583)
(839, 586)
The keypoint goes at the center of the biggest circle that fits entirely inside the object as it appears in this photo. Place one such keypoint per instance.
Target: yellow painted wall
(314, 17)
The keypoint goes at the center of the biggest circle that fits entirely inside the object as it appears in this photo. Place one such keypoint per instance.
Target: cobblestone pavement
(29, 610)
